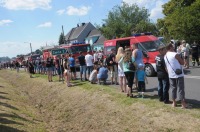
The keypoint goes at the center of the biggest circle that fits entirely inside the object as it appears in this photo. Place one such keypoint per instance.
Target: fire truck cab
(146, 42)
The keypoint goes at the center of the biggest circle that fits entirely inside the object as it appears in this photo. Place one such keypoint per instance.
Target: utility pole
(63, 34)
(31, 49)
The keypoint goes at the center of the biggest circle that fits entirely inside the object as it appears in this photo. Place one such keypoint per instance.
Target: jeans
(163, 89)
(83, 69)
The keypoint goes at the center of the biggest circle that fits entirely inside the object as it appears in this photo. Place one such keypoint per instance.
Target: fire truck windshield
(150, 46)
(77, 49)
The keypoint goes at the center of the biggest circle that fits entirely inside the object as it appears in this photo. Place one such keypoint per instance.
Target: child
(93, 76)
(102, 74)
(141, 77)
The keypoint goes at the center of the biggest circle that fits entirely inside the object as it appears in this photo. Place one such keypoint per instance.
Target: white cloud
(5, 22)
(46, 24)
(154, 7)
(60, 12)
(157, 11)
(77, 11)
(25, 4)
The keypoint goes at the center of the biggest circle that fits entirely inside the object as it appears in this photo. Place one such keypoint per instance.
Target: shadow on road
(194, 103)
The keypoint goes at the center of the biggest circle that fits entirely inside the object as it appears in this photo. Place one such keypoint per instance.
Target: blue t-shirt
(103, 73)
(140, 74)
(71, 62)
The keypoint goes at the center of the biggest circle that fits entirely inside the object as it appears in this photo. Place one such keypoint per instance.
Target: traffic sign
(58, 51)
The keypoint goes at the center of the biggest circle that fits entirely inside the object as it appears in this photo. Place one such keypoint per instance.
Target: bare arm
(180, 60)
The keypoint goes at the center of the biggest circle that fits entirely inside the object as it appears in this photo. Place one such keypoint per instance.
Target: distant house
(95, 39)
(79, 33)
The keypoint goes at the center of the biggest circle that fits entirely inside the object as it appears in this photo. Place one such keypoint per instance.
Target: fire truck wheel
(149, 70)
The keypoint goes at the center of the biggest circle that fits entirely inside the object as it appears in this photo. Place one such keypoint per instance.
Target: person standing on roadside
(17, 65)
(176, 76)
(30, 68)
(138, 55)
(72, 67)
(112, 66)
(66, 71)
(122, 78)
(163, 79)
(82, 63)
(89, 63)
(129, 73)
(59, 68)
(185, 54)
(195, 53)
(49, 64)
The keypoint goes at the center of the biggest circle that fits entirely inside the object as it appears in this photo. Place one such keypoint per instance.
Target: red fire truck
(146, 42)
(76, 48)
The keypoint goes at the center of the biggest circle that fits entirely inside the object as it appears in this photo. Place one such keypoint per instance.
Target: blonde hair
(127, 55)
(120, 53)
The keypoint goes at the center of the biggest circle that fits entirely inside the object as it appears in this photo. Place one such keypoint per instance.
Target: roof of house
(75, 32)
(100, 40)
(94, 32)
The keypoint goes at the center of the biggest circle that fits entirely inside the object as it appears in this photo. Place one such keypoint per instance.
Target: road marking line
(192, 77)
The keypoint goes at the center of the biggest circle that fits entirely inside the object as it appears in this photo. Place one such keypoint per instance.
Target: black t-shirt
(82, 60)
(195, 48)
(49, 63)
(110, 58)
(160, 66)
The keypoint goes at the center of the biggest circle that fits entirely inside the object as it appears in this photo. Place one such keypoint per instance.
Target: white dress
(120, 68)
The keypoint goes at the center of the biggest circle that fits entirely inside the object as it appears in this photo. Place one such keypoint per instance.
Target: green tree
(38, 51)
(125, 19)
(182, 19)
(61, 39)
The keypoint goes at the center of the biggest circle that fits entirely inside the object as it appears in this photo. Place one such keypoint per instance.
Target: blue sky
(39, 22)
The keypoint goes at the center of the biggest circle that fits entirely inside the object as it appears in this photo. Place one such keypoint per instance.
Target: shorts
(141, 86)
(83, 69)
(73, 69)
(89, 69)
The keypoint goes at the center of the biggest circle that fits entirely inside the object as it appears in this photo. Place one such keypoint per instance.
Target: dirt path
(37, 105)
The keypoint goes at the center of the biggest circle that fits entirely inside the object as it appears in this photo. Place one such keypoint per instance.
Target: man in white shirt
(173, 62)
(89, 63)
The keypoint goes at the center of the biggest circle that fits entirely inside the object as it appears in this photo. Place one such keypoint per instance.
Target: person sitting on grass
(102, 74)
(141, 77)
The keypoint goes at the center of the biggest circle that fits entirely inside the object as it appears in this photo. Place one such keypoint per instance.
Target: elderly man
(176, 76)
